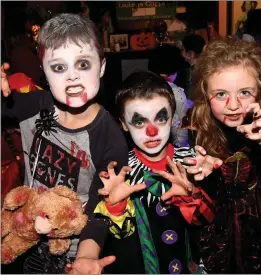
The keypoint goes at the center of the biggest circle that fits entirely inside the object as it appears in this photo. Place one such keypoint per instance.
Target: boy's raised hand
(203, 164)
(115, 189)
(4, 82)
(252, 130)
(84, 265)
(181, 186)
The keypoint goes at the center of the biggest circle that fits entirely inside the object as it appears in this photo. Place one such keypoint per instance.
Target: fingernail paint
(216, 165)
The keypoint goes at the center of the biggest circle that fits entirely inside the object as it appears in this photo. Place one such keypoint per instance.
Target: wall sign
(145, 10)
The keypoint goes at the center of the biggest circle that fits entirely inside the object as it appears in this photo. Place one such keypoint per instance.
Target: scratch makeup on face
(233, 90)
(239, 102)
(227, 101)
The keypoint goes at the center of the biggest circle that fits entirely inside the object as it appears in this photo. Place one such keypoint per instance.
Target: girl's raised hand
(203, 164)
(115, 188)
(253, 130)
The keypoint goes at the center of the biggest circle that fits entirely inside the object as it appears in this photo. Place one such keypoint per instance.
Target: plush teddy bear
(28, 214)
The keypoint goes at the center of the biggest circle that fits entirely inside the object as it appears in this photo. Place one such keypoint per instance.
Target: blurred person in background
(166, 62)
(192, 48)
(23, 58)
(240, 26)
(253, 27)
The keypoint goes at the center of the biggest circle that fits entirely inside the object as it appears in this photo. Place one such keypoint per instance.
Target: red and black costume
(232, 243)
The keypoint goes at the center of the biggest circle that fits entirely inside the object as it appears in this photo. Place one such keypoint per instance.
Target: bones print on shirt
(54, 165)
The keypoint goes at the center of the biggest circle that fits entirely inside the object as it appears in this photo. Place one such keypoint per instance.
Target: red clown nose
(151, 130)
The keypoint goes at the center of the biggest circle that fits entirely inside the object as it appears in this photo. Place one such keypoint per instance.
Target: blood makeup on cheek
(84, 98)
(227, 101)
(68, 102)
(151, 130)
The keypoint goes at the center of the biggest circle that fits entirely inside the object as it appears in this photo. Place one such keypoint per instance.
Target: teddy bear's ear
(64, 191)
(17, 197)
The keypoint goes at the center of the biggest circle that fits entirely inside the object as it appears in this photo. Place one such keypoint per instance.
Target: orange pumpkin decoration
(142, 41)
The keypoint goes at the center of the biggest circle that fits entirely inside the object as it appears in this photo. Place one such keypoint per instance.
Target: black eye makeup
(138, 120)
(83, 64)
(162, 116)
(58, 68)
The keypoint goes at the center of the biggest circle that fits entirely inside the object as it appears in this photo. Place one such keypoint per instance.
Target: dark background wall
(197, 15)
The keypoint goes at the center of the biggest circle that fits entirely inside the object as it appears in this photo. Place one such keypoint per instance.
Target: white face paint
(149, 121)
(73, 73)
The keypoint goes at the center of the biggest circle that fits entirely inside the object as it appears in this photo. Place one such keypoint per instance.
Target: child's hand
(115, 189)
(252, 130)
(5, 85)
(88, 266)
(181, 186)
(203, 164)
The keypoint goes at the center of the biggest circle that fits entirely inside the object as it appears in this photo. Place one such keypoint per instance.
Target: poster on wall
(145, 10)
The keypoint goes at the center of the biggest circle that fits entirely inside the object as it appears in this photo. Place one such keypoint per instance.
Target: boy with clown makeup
(150, 231)
(68, 138)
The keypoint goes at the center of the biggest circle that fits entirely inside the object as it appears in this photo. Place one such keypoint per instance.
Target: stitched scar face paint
(73, 72)
(230, 92)
(149, 121)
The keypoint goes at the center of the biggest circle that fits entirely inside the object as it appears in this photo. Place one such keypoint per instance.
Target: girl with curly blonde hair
(227, 121)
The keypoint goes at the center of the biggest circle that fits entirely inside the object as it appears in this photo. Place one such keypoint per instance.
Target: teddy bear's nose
(42, 225)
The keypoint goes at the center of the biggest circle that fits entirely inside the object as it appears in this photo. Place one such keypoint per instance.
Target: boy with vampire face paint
(68, 138)
(151, 207)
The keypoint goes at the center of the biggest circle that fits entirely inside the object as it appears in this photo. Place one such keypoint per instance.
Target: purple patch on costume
(148, 183)
(175, 267)
(169, 237)
(140, 221)
(153, 254)
(161, 210)
(143, 246)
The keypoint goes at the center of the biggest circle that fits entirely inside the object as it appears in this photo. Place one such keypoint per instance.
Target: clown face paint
(149, 121)
(73, 73)
(230, 92)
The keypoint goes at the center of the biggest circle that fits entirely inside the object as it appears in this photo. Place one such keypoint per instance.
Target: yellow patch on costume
(119, 226)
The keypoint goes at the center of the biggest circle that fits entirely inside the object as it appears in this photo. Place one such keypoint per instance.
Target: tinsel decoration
(47, 122)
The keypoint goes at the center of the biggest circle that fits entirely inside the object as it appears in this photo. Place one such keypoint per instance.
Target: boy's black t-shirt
(70, 157)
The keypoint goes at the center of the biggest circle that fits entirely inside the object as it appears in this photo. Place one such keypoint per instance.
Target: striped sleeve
(183, 152)
(197, 209)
